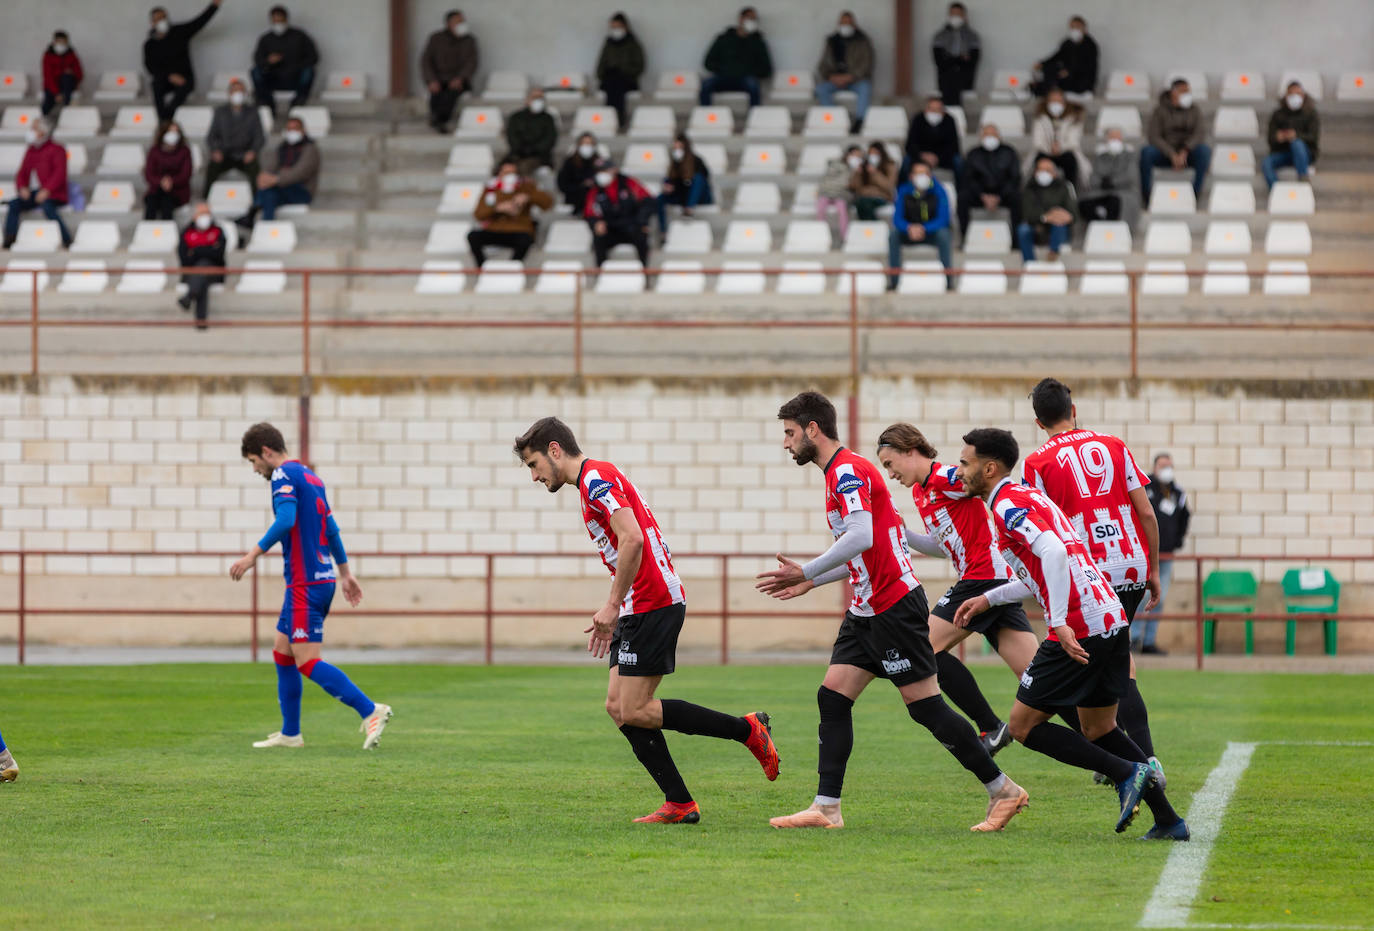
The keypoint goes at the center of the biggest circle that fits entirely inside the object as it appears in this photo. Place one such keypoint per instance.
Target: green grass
(503, 797)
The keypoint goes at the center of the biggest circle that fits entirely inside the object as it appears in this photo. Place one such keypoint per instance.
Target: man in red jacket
(41, 183)
(61, 72)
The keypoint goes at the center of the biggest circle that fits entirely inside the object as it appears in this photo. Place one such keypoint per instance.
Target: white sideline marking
(1182, 876)
(1287, 927)
(1318, 743)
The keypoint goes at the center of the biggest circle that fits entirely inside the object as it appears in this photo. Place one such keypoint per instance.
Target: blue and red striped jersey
(305, 548)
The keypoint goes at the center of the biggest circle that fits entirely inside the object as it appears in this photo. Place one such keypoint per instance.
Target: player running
(1084, 662)
(884, 633)
(9, 770)
(960, 530)
(305, 528)
(1092, 477)
(639, 624)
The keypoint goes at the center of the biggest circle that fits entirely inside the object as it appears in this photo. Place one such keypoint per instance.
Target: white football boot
(280, 740)
(9, 770)
(374, 724)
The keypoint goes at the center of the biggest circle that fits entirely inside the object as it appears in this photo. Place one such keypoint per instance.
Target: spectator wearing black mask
(1170, 503)
(618, 210)
(620, 64)
(167, 57)
(1073, 66)
(202, 243)
(284, 60)
(956, 48)
(933, 138)
(62, 72)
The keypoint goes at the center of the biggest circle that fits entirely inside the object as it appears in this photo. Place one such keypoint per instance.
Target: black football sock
(687, 718)
(1134, 719)
(1073, 748)
(652, 751)
(836, 740)
(962, 689)
(957, 736)
(1118, 743)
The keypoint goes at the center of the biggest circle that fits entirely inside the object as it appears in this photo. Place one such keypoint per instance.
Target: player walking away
(1092, 477)
(9, 770)
(960, 529)
(305, 528)
(639, 624)
(1084, 662)
(884, 632)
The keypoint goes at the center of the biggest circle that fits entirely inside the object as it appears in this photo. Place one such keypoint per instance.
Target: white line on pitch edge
(1279, 927)
(1182, 876)
(1317, 743)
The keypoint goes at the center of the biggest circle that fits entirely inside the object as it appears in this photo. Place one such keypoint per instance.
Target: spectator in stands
(687, 183)
(1111, 194)
(167, 171)
(620, 64)
(284, 60)
(531, 134)
(920, 218)
(1057, 132)
(875, 183)
(62, 72)
(1294, 135)
(618, 209)
(956, 48)
(202, 243)
(738, 60)
(833, 190)
(933, 138)
(40, 183)
(447, 64)
(288, 176)
(991, 179)
(1048, 209)
(504, 213)
(234, 139)
(1175, 137)
(847, 65)
(576, 173)
(1073, 66)
(167, 56)
(1170, 504)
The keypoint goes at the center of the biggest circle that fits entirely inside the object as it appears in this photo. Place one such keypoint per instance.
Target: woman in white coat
(1057, 134)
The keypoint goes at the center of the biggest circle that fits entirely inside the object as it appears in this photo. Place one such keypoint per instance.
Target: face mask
(203, 221)
(460, 30)
(171, 137)
(279, 28)
(956, 22)
(922, 182)
(1043, 178)
(934, 119)
(1294, 101)
(991, 143)
(1055, 108)
(293, 136)
(874, 159)
(58, 49)
(1116, 146)
(1185, 100)
(679, 154)
(31, 137)
(537, 105)
(1166, 475)
(1075, 35)
(161, 27)
(854, 162)
(603, 179)
(236, 98)
(509, 182)
(751, 25)
(846, 31)
(586, 151)
(616, 33)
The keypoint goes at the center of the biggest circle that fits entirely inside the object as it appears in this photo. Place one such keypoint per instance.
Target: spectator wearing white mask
(234, 139)
(686, 184)
(620, 64)
(1175, 135)
(1057, 131)
(289, 174)
(1111, 192)
(833, 192)
(447, 65)
(167, 56)
(1048, 211)
(874, 184)
(62, 72)
(991, 178)
(933, 138)
(532, 133)
(956, 48)
(1294, 135)
(40, 183)
(1170, 503)
(578, 168)
(202, 244)
(1073, 66)
(285, 60)
(504, 214)
(847, 65)
(738, 60)
(617, 209)
(167, 172)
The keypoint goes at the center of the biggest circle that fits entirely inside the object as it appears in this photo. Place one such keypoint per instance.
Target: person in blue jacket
(921, 218)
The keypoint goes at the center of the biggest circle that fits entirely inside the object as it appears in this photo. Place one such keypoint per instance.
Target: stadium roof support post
(400, 54)
(903, 58)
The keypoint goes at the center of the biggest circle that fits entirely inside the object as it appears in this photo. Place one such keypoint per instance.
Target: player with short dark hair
(1084, 662)
(638, 625)
(884, 632)
(9, 770)
(309, 537)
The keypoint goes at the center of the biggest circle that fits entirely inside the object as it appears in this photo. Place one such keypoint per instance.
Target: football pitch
(503, 797)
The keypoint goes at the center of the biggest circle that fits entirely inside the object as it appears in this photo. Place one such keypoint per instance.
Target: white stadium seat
(710, 123)
(511, 86)
(801, 278)
(37, 236)
(480, 123)
(745, 236)
(1242, 85)
(1173, 198)
(460, 198)
(815, 156)
(118, 85)
(886, 123)
(448, 237)
(1233, 160)
(762, 159)
(142, 276)
(230, 197)
(560, 85)
(960, 120)
(274, 237)
(16, 121)
(866, 237)
(441, 276)
(869, 280)
(568, 237)
(1288, 237)
(620, 276)
(793, 85)
(1292, 198)
(470, 160)
(1197, 81)
(826, 122)
(195, 121)
(922, 276)
(768, 122)
(680, 277)
(647, 160)
(1164, 277)
(806, 237)
(134, 123)
(1227, 237)
(1310, 79)
(688, 237)
(14, 85)
(983, 276)
(1110, 278)
(1128, 85)
(84, 276)
(652, 122)
(1107, 237)
(344, 86)
(154, 237)
(1010, 85)
(741, 278)
(678, 85)
(96, 237)
(558, 276)
(804, 199)
(1008, 119)
(19, 276)
(599, 121)
(1120, 116)
(1044, 278)
(315, 119)
(1287, 284)
(11, 157)
(1226, 277)
(1356, 87)
(501, 276)
(78, 123)
(1236, 123)
(1231, 198)
(1168, 237)
(757, 197)
(713, 154)
(112, 197)
(77, 158)
(122, 159)
(987, 237)
(262, 277)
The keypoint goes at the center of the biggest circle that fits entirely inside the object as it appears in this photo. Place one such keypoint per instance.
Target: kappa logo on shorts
(298, 634)
(895, 664)
(625, 657)
(848, 484)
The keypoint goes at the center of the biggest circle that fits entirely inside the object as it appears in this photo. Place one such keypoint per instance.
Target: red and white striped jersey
(1090, 476)
(882, 575)
(1021, 514)
(961, 525)
(605, 490)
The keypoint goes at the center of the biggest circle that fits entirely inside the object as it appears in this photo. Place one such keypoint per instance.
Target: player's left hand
(352, 591)
(788, 574)
(971, 609)
(1070, 644)
(239, 569)
(602, 630)
(796, 591)
(1153, 585)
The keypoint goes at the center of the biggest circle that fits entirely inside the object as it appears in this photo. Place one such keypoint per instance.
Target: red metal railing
(490, 613)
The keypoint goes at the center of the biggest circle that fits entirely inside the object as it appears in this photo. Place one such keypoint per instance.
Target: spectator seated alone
(847, 65)
(288, 176)
(202, 243)
(284, 60)
(41, 182)
(62, 72)
(234, 139)
(447, 65)
(503, 213)
(1294, 135)
(620, 64)
(956, 48)
(167, 172)
(167, 57)
(738, 60)
(531, 134)
(1073, 66)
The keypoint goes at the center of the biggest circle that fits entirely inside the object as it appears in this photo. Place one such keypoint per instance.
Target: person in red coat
(61, 72)
(41, 183)
(202, 243)
(168, 173)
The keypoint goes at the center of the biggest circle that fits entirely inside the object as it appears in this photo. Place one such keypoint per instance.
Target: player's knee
(613, 709)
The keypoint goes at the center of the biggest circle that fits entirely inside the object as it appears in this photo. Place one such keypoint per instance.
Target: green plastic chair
(1312, 591)
(1228, 592)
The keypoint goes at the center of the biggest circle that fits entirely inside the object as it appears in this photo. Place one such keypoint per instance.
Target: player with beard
(884, 632)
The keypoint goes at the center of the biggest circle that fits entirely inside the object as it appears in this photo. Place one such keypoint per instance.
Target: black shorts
(1055, 680)
(646, 644)
(893, 645)
(998, 617)
(1130, 597)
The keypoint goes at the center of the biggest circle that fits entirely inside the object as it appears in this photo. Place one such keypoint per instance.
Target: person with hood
(920, 218)
(1111, 193)
(531, 133)
(167, 57)
(234, 139)
(1048, 210)
(1294, 135)
(1175, 135)
(447, 65)
(167, 172)
(620, 64)
(687, 183)
(738, 60)
(1073, 66)
(1057, 132)
(288, 176)
(576, 173)
(284, 60)
(956, 48)
(933, 138)
(62, 72)
(847, 65)
(833, 191)
(617, 209)
(504, 213)
(202, 243)
(40, 183)
(1170, 503)
(991, 179)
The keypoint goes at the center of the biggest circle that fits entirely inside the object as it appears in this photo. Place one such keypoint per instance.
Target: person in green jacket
(531, 134)
(1294, 135)
(738, 60)
(1048, 209)
(620, 64)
